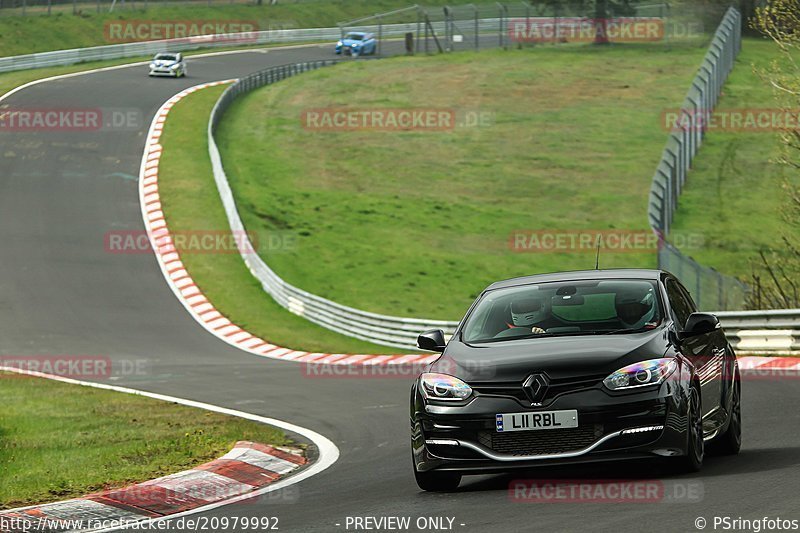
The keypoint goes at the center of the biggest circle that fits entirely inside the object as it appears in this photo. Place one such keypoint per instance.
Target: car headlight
(650, 372)
(339, 43)
(176, 65)
(444, 387)
(152, 65)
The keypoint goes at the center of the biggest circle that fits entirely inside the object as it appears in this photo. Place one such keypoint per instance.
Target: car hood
(558, 357)
(350, 42)
(163, 63)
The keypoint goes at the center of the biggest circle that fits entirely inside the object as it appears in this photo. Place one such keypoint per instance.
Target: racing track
(61, 293)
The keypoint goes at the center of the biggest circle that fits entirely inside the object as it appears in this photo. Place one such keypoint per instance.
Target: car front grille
(542, 442)
(556, 387)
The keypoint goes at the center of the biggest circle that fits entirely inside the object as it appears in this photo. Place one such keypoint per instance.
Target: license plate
(536, 421)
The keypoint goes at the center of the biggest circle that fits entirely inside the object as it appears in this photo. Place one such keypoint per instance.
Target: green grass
(191, 203)
(417, 223)
(734, 195)
(59, 441)
(63, 30)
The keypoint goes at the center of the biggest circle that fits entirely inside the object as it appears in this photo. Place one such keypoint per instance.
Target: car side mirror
(699, 324)
(432, 340)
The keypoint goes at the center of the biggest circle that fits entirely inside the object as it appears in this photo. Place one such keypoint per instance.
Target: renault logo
(535, 388)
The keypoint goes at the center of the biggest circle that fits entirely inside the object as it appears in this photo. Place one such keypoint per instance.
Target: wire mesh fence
(520, 24)
(712, 290)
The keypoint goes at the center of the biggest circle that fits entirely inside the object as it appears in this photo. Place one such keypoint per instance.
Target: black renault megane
(575, 367)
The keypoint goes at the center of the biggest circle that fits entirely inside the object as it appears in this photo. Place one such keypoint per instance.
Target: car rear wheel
(695, 448)
(730, 442)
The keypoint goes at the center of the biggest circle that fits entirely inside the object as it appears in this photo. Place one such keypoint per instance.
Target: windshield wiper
(624, 330)
(533, 336)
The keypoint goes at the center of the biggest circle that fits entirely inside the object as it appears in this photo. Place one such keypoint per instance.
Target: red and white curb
(248, 471)
(248, 467)
(769, 363)
(190, 294)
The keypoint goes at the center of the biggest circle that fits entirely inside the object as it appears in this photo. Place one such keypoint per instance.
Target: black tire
(695, 448)
(730, 442)
(434, 481)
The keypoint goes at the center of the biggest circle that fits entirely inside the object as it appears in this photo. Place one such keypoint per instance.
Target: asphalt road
(61, 292)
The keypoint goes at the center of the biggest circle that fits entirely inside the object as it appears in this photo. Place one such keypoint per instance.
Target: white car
(168, 64)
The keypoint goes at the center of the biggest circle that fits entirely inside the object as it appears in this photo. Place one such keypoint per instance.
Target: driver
(636, 307)
(527, 313)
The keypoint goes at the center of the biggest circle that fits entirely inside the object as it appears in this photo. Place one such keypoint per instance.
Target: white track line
(328, 452)
(138, 64)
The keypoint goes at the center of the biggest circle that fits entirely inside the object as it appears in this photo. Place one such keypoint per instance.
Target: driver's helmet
(526, 312)
(635, 306)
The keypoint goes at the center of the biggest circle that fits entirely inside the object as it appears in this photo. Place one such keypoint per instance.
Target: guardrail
(773, 319)
(148, 48)
(710, 288)
(380, 329)
(774, 332)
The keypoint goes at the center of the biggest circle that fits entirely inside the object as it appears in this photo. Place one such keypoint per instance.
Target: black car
(575, 367)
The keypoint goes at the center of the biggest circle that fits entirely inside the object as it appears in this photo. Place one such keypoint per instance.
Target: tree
(776, 274)
(602, 11)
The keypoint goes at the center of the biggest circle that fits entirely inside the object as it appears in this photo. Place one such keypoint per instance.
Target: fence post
(419, 31)
(448, 29)
(380, 34)
(477, 29)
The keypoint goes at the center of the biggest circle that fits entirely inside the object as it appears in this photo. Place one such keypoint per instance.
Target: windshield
(354, 36)
(563, 309)
(165, 57)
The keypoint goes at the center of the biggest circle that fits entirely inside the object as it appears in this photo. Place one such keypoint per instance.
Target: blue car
(357, 43)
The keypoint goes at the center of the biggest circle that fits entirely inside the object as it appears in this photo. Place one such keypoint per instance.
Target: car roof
(357, 33)
(578, 275)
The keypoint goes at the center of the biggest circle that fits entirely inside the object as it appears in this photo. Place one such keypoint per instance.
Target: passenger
(636, 308)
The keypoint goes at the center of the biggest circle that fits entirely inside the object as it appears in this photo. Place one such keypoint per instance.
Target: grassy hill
(416, 223)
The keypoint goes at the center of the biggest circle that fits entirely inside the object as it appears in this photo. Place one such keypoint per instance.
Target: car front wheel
(695, 448)
(433, 481)
(437, 481)
(730, 442)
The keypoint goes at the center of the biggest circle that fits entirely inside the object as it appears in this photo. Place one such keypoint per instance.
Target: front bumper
(160, 71)
(348, 50)
(611, 427)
